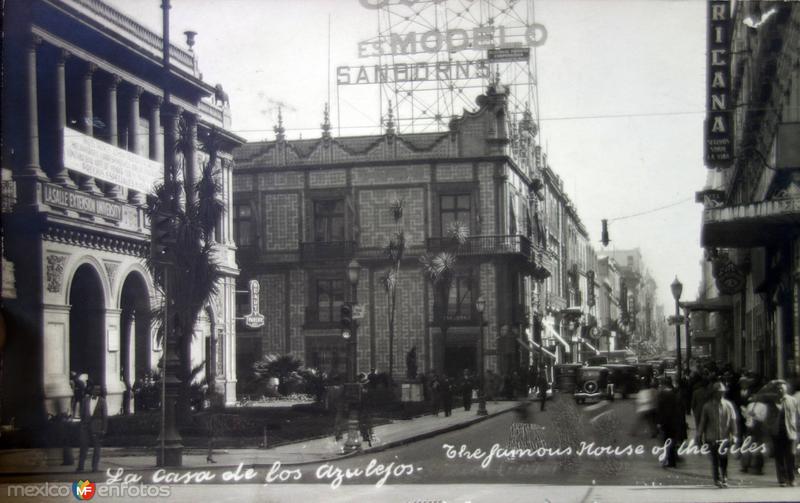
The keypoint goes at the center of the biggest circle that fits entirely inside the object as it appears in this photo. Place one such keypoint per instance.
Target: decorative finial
(390, 131)
(279, 129)
(326, 123)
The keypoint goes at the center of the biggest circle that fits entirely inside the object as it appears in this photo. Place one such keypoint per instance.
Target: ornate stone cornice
(78, 237)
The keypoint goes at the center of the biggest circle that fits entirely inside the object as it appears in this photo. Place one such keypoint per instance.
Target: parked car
(596, 361)
(565, 377)
(593, 383)
(625, 378)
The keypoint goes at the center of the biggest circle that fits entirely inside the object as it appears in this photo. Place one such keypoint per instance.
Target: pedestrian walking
(783, 422)
(542, 385)
(447, 396)
(467, 386)
(93, 426)
(436, 393)
(671, 420)
(717, 430)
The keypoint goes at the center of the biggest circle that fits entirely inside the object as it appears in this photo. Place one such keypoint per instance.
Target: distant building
(83, 127)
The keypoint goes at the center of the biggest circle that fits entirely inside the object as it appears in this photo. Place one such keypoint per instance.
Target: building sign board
(719, 119)
(98, 159)
(54, 195)
(413, 72)
(254, 319)
(507, 54)
(358, 311)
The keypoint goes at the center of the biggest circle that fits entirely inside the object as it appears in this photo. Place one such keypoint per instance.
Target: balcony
(327, 250)
(485, 245)
(316, 318)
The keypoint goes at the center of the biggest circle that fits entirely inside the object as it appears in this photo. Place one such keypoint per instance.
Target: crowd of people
(729, 411)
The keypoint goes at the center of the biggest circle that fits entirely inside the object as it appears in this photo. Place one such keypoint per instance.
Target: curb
(369, 450)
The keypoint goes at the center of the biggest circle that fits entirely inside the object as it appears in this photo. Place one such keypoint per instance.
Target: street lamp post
(677, 289)
(480, 305)
(353, 393)
(688, 342)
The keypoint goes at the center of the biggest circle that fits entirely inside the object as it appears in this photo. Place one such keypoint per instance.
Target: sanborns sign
(719, 147)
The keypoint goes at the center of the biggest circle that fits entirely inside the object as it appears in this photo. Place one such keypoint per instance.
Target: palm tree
(195, 272)
(394, 251)
(440, 269)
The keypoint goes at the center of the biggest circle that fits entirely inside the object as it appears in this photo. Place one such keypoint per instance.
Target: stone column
(133, 125)
(113, 381)
(61, 176)
(87, 183)
(133, 136)
(113, 130)
(33, 168)
(112, 190)
(155, 126)
(191, 159)
(55, 348)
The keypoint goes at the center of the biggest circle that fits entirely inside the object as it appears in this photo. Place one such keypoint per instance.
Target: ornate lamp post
(480, 305)
(352, 388)
(677, 289)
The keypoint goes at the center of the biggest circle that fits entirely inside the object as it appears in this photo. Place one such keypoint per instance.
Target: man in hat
(783, 424)
(93, 426)
(717, 429)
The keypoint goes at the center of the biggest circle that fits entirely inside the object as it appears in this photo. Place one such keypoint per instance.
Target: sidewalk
(44, 461)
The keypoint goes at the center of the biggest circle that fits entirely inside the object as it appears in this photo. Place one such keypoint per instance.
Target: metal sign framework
(432, 58)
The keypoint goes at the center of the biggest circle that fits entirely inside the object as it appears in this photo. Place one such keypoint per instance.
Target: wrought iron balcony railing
(484, 245)
(327, 250)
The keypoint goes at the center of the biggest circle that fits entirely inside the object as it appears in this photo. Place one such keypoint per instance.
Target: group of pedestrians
(728, 408)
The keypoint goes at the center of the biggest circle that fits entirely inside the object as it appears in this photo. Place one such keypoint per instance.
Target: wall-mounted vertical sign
(718, 133)
(590, 293)
(254, 319)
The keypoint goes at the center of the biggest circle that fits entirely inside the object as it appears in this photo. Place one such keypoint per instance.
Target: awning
(750, 225)
(552, 332)
(583, 341)
(544, 351)
(709, 305)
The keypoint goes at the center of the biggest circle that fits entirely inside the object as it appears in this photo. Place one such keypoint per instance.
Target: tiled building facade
(305, 209)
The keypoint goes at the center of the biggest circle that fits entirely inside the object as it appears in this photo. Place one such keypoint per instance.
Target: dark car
(596, 361)
(646, 374)
(592, 383)
(625, 379)
(565, 377)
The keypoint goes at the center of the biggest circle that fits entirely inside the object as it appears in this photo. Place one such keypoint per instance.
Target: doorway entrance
(87, 342)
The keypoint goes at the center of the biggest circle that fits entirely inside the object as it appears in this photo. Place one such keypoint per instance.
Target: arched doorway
(135, 344)
(87, 342)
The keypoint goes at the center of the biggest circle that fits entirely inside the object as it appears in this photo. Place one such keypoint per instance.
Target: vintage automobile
(593, 383)
(659, 366)
(597, 361)
(565, 377)
(646, 374)
(625, 378)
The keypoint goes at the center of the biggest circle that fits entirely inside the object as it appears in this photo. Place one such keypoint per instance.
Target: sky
(620, 87)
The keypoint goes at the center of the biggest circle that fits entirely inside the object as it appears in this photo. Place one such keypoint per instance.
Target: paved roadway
(422, 471)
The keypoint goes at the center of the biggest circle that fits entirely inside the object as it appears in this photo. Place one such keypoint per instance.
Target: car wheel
(590, 386)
